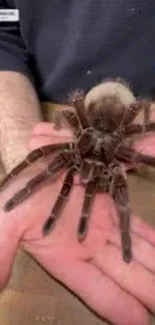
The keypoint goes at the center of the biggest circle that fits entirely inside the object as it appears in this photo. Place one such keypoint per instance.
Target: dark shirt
(69, 44)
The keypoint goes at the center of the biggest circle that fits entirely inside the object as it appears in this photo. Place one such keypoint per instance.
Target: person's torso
(76, 43)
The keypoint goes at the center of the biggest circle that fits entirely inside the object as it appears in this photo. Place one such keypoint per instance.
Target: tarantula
(102, 124)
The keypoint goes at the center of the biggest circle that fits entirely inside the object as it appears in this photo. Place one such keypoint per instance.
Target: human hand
(94, 270)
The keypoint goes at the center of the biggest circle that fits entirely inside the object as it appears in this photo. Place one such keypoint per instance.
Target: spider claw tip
(81, 237)
(127, 256)
(9, 205)
(48, 226)
(82, 229)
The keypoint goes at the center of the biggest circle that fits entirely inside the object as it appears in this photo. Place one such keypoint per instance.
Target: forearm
(19, 112)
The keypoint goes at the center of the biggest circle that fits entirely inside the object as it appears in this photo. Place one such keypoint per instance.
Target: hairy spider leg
(120, 196)
(59, 162)
(73, 121)
(131, 156)
(138, 129)
(78, 102)
(59, 204)
(77, 120)
(89, 195)
(146, 108)
(93, 175)
(34, 156)
(145, 159)
(134, 109)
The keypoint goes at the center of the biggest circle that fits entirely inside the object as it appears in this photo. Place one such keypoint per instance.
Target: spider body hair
(102, 123)
(106, 103)
(112, 89)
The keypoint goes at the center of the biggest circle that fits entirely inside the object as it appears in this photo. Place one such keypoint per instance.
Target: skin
(94, 270)
(19, 113)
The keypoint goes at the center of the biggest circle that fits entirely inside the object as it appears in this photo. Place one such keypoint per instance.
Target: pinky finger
(103, 295)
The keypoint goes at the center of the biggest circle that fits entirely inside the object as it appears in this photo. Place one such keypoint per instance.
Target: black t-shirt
(73, 44)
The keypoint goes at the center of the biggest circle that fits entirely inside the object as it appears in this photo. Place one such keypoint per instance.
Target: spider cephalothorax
(102, 124)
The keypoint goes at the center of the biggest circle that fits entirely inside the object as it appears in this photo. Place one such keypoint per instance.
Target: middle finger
(132, 277)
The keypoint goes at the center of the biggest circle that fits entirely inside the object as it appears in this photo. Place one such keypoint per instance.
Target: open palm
(94, 270)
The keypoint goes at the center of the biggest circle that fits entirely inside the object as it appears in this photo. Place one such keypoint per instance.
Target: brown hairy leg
(131, 156)
(59, 162)
(78, 102)
(89, 195)
(138, 129)
(120, 196)
(73, 121)
(61, 200)
(34, 156)
(134, 109)
(93, 175)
